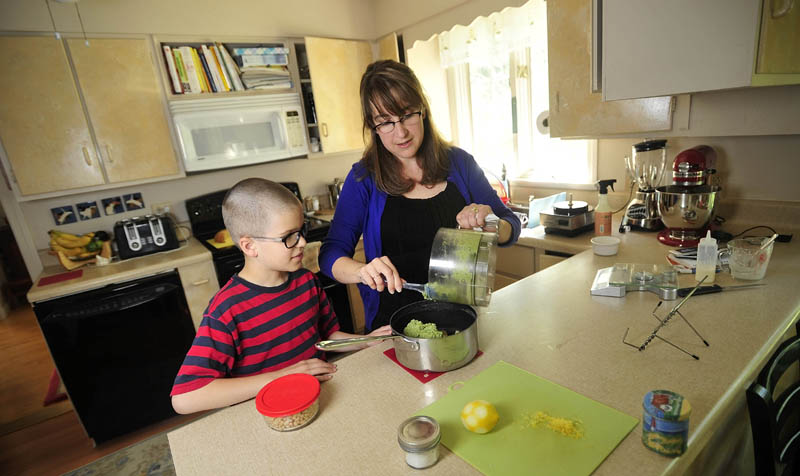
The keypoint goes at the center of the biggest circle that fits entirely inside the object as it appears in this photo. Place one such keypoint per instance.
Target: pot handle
(412, 344)
(339, 343)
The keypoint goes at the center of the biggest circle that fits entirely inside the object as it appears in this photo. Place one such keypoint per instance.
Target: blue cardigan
(361, 205)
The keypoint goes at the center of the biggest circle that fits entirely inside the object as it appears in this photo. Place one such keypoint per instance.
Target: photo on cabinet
(64, 215)
(87, 210)
(112, 205)
(133, 201)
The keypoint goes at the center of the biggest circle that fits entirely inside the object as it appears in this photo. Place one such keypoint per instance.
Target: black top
(408, 227)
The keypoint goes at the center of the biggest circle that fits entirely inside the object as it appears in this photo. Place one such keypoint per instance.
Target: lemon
(479, 416)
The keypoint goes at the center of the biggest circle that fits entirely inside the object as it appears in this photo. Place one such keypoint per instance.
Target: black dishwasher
(118, 349)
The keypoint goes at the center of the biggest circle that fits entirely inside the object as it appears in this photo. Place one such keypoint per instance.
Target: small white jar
(419, 437)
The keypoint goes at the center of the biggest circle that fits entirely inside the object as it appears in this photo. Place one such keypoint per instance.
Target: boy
(264, 322)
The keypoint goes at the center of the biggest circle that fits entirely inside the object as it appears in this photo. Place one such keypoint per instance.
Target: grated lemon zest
(564, 426)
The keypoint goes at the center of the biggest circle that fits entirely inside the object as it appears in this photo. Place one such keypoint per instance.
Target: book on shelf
(221, 66)
(191, 73)
(187, 88)
(212, 86)
(263, 60)
(262, 50)
(233, 68)
(173, 72)
(213, 60)
(201, 75)
(211, 67)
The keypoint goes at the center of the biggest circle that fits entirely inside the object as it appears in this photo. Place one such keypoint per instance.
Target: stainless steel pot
(453, 351)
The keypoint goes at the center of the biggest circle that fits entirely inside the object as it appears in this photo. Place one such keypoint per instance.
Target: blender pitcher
(646, 165)
(461, 267)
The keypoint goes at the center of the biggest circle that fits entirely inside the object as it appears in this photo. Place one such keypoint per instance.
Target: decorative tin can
(665, 423)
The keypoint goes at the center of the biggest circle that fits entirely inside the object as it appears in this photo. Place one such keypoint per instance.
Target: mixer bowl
(686, 210)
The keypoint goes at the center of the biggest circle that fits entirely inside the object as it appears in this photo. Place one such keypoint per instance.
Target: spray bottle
(602, 213)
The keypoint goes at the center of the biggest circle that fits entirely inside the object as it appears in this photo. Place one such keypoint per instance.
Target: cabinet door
(336, 67)
(42, 125)
(574, 110)
(199, 283)
(656, 47)
(387, 47)
(120, 86)
(779, 41)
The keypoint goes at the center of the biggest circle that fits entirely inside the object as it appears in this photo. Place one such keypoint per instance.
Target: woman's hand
(380, 274)
(473, 216)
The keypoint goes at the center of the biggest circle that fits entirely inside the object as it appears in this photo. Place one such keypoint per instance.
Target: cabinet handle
(86, 157)
(201, 282)
(324, 127)
(108, 154)
(779, 8)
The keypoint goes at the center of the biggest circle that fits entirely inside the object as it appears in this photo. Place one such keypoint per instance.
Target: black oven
(205, 216)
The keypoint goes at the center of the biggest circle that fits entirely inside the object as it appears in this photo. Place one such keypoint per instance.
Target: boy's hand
(381, 331)
(316, 367)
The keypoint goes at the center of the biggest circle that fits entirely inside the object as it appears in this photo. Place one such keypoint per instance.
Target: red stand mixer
(687, 206)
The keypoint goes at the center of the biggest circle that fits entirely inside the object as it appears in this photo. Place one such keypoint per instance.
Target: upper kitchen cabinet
(43, 128)
(336, 67)
(54, 142)
(654, 48)
(122, 95)
(576, 111)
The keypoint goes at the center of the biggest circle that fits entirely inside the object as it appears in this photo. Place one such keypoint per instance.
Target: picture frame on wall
(133, 201)
(112, 205)
(64, 215)
(88, 210)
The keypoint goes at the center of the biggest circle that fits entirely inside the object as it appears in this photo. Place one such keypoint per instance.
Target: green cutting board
(516, 448)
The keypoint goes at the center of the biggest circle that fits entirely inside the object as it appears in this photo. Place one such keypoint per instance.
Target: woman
(408, 184)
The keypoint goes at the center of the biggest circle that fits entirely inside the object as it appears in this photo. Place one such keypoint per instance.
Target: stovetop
(205, 217)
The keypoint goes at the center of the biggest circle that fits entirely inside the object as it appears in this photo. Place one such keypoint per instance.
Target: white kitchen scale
(660, 279)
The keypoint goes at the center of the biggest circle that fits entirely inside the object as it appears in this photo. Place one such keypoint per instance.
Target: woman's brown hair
(393, 88)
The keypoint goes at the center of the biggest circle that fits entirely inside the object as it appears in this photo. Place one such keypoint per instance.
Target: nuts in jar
(289, 402)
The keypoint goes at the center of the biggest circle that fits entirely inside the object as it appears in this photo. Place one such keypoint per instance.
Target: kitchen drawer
(515, 260)
(199, 285)
(549, 258)
(501, 281)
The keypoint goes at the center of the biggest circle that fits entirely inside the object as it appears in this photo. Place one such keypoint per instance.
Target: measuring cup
(461, 268)
(746, 258)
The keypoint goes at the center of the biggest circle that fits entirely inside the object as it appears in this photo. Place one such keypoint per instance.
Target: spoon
(768, 242)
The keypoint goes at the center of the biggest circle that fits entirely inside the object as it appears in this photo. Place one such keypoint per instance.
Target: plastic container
(289, 402)
(706, 259)
(603, 211)
(605, 245)
(747, 260)
(665, 422)
(419, 437)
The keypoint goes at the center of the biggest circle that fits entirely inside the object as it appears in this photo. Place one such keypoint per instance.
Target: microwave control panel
(294, 128)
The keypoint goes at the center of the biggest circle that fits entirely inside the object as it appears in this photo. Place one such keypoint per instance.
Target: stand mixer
(646, 165)
(687, 207)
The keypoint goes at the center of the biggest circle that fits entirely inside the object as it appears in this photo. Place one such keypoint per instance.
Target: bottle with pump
(603, 211)
(706, 259)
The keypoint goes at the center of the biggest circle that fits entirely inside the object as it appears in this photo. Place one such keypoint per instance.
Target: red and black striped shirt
(249, 329)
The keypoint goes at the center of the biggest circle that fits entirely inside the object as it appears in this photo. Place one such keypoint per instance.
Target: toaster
(141, 236)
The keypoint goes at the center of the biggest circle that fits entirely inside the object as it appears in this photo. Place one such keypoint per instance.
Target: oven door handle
(119, 302)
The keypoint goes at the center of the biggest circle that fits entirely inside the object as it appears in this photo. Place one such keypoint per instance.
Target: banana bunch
(74, 251)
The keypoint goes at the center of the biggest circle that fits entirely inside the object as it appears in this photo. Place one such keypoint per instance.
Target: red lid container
(287, 395)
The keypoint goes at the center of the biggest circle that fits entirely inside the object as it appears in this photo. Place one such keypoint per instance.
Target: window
(496, 83)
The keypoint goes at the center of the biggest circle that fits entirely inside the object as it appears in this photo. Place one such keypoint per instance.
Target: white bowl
(605, 245)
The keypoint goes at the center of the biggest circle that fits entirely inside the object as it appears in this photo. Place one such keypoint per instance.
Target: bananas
(72, 249)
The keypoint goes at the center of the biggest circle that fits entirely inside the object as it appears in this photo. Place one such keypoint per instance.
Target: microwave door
(230, 138)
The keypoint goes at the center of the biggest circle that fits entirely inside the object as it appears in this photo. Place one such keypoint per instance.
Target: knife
(716, 288)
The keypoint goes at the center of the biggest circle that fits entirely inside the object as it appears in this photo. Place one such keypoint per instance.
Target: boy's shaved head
(250, 204)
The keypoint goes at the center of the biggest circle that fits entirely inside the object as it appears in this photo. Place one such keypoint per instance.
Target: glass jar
(289, 402)
(419, 437)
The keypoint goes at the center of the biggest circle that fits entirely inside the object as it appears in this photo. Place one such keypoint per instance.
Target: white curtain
(492, 36)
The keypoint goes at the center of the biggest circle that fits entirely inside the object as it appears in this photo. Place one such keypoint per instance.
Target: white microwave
(219, 133)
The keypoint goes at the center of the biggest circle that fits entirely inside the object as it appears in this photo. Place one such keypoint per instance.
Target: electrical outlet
(162, 208)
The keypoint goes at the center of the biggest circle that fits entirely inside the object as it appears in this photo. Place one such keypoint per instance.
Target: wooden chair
(775, 419)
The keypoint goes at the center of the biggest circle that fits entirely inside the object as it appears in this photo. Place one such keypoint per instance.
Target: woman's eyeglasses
(289, 241)
(410, 119)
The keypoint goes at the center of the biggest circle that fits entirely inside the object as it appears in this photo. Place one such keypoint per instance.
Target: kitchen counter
(98, 276)
(550, 325)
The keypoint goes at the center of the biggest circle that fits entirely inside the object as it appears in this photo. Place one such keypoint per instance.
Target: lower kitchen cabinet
(356, 305)
(199, 283)
(519, 261)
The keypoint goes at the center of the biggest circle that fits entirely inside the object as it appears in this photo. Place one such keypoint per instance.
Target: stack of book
(211, 68)
(263, 67)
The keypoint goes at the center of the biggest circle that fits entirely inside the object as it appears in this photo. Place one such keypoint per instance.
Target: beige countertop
(94, 277)
(547, 324)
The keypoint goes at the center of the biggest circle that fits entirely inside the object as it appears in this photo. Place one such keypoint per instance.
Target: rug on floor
(55, 390)
(150, 457)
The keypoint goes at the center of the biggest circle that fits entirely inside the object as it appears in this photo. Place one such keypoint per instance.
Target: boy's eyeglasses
(289, 241)
(410, 119)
